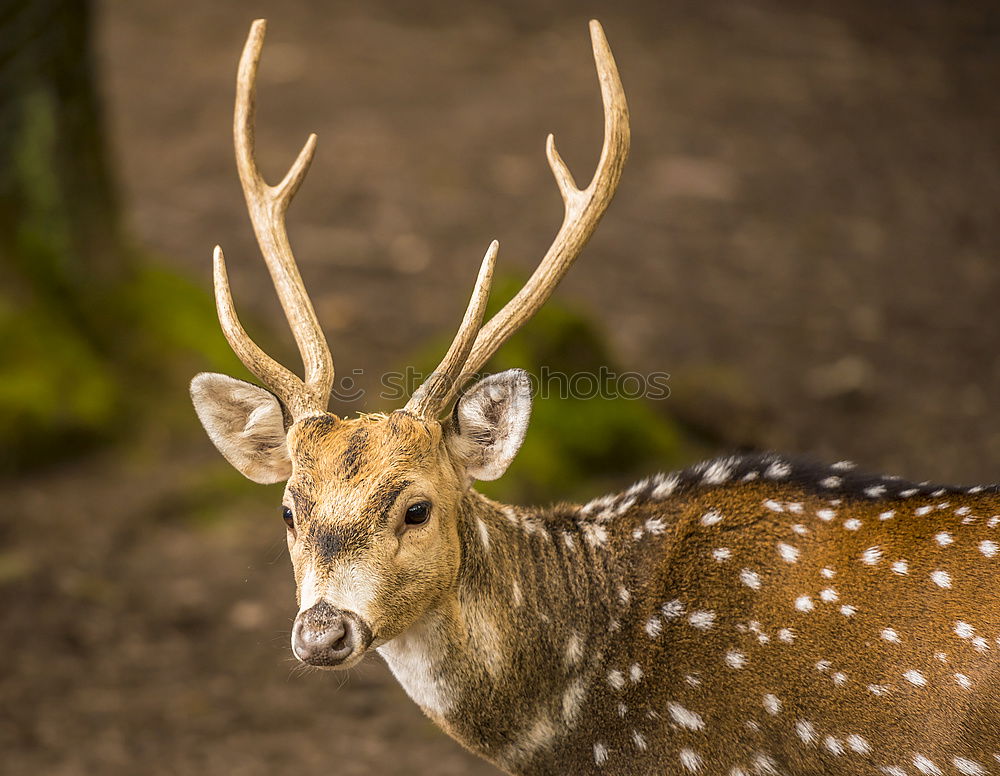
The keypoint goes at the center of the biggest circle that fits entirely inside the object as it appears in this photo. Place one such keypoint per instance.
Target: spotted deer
(748, 615)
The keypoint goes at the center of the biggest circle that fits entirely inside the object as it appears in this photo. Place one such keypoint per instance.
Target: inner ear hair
(489, 421)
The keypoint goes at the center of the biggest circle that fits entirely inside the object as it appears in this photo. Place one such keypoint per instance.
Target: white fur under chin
(412, 657)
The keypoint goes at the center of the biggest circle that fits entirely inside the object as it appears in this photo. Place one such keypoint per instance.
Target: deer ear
(489, 423)
(245, 423)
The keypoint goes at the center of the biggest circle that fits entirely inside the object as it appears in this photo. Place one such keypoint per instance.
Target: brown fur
(526, 633)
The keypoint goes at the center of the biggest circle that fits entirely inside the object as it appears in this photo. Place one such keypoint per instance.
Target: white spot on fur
(989, 548)
(702, 620)
(639, 740)
(804, 603)
(848, 611)
(689, 720)
(722, 554)
(735, 659)
(941, 579)
(655, 526)
(826, 515)
(690, 759)
(750, 578)
(600, 753)
(887, 515)
(774, 506)
(786, 635)
(594, 534)
(831, 482)
(944, 539)
(871, 556)
(616, 679)
(653, 627)
(777, 470)
(963, 630)
(858, 744)
(900, 567)
(672, 609)
(665, 485)
(878, 689)
(968, 767)
(805, 731)
(772, 704)
(915, 678)
(852, 524)
(963, 681)
(717, 473)
(833, 745)
(829, 595)
(574, 649)
(788, 553)
(635, 673)
(926, 766)
(572, 699)
(890, 635)
(711, 518)
(828, 573)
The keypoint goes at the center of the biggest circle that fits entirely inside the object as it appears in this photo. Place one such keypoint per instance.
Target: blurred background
(805, 238)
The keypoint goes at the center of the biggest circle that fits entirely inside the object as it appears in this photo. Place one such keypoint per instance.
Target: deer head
(371, 504)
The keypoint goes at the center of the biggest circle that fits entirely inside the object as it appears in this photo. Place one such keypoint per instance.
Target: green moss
(54, 388)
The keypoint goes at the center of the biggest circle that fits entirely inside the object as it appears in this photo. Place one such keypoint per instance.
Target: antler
(267, 206)
(583, 211)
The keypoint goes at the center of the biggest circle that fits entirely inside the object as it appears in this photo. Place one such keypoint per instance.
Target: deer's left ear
(489, 423)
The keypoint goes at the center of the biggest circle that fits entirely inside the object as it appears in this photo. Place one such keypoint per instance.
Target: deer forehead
(354, 459)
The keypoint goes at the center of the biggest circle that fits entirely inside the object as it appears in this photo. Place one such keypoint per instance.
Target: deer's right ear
(245, 423)
(489, 423)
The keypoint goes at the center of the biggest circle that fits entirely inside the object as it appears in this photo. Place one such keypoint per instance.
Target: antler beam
(583, 209)
(267, 206)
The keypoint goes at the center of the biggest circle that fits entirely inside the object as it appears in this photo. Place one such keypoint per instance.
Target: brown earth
(806, 236)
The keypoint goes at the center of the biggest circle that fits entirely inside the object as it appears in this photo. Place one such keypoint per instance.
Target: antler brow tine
(441, 381)
(267, 206)
(583, 209)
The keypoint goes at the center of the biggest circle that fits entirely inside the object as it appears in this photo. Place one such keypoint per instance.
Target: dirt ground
(806, 238)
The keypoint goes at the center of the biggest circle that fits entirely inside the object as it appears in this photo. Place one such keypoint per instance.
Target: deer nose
(325, 636)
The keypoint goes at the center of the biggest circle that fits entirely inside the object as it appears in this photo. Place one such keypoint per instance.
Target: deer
(751, 614)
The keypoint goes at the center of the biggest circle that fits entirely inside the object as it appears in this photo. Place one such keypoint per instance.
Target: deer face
(372, 505)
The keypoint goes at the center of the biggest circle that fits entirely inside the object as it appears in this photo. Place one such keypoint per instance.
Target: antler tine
(435, 391)
(267, 206)
(583, 211)
(284, 384)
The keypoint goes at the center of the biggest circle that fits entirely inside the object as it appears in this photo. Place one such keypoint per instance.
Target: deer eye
(418, 513)
(286, 513)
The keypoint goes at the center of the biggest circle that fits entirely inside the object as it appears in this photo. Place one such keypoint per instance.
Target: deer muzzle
(327, 637)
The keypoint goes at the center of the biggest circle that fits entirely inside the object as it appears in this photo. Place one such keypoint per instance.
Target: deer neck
(521, 634)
